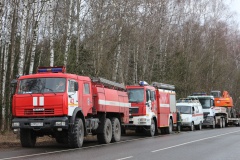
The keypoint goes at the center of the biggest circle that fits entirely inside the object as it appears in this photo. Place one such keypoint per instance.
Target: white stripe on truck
(113, 103)
(41, 101)
(35, 101)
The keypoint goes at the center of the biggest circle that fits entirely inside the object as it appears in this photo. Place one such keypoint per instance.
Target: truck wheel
(213, 125)
(199, 126)
(223, 123)
(116, 130)
(192, 127)
(152, 129)
(27, 138)
(76, 134)
(106, 135)
(62, 137)
(169, 128)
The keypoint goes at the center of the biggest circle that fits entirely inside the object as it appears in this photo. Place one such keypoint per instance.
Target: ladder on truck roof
(188, 100)
(163, 86)
(108, 83)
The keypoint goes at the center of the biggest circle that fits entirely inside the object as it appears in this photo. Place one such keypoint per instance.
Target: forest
(192, 44)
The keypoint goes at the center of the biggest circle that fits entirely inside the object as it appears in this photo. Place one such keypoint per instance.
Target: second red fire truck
(153, 108)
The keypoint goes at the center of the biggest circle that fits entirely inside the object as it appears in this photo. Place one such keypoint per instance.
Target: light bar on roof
(143, 83)
(60, 69)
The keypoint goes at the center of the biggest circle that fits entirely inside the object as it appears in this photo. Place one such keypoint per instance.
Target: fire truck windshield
(206, 103)
(184, 109)
(135, 95)
(42, 85)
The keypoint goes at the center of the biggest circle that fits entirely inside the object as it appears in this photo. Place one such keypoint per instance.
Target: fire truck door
(72, 96)
(148, 102)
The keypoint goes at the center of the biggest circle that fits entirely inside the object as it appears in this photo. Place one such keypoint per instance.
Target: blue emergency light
(143, 83)
(60, 69)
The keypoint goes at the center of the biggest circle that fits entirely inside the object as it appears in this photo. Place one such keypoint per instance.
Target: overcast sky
(235, 6)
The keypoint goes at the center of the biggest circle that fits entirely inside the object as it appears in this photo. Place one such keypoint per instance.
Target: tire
(138, 130)
(152, 130)
(76, 134)
(192, 127)
(27, 138)
(223, 123)
(199, 126)
(214, 125)
(116, 130)
(163, 130)
(62, 137)
(106, 135)
(169, 128)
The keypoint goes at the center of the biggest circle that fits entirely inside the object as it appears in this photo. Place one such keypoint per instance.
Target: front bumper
(40, 123)
(208, 121)
(186, 124)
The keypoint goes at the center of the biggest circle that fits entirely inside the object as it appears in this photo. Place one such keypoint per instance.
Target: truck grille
(45, 112)
(133, 110)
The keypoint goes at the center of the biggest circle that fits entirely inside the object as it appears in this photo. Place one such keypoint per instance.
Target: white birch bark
(1, 33)
(23, 39)
(35, 35)
(5, 62)
(50, 6)
(118, 55)
(1, 20)
(78, 31)
(67, 45)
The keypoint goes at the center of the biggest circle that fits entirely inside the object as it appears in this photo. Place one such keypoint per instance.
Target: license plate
(36, 124)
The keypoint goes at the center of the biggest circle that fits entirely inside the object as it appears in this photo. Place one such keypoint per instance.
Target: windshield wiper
(50, 90)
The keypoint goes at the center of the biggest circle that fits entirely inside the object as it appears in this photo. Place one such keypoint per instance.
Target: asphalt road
(207, 144)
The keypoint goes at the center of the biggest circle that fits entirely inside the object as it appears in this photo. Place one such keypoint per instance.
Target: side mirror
(75, 86)
(147, 104)
(13, 86)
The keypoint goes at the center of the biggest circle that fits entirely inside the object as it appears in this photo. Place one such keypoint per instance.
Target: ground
(9, 140)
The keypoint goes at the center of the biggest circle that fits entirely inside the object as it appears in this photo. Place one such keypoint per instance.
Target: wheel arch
(77, 113)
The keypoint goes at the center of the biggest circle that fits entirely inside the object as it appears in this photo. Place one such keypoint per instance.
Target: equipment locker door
(86, 98)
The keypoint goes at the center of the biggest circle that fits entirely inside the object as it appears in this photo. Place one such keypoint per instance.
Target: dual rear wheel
(110, 131)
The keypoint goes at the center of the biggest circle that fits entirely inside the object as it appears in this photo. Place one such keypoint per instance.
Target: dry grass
(10, 140)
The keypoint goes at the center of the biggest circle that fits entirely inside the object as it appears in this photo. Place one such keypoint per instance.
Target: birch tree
(23, 39)
(1, 15)
(78, 31)
(5, 61)
(68, 41)
(51, 4)
(37, 14)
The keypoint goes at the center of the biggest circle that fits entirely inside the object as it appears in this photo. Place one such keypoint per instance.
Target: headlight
(142, 119)
(60, 124)
(15, 124)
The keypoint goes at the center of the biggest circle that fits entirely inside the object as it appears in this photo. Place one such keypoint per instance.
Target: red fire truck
(153, 107)
(68, 107)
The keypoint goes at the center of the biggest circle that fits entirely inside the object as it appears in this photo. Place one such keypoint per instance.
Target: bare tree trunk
(1, 15)
(5, 63)
(67, 45)
(78, 32)
(118, 55)
(50, 6)
(23, 39)
(35, 35)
